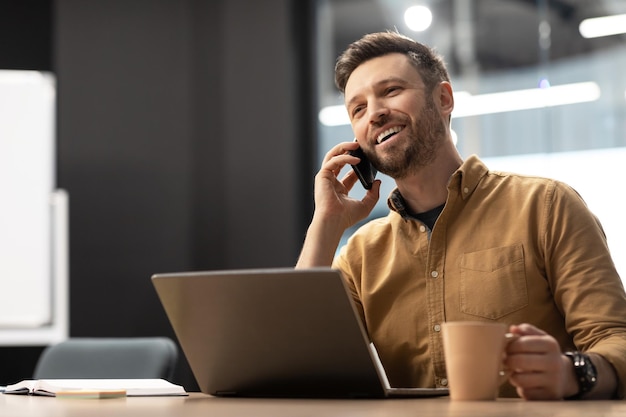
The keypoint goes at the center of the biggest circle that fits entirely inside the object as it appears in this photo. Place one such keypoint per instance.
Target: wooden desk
(202, 405)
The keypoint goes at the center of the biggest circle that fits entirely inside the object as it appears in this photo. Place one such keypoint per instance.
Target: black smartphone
(364, 169)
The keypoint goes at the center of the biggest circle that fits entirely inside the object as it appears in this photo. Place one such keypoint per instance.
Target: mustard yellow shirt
(505, 248)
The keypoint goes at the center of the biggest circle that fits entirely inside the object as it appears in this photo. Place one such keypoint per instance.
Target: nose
(378, 113)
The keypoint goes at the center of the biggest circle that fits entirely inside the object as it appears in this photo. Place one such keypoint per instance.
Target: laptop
(279, 332)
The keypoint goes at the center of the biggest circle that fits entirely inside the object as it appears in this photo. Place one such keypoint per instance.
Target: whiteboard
(27, 181)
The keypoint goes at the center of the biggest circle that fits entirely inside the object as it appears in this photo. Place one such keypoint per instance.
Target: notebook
(96, 388)
(275, 333)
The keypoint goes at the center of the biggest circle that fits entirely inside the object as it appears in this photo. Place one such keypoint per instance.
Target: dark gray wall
(185, 141)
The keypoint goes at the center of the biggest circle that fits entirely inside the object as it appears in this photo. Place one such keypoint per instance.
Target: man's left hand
(538, 369)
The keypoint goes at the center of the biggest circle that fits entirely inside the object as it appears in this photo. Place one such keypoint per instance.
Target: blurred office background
(540, 86)
(189, 131)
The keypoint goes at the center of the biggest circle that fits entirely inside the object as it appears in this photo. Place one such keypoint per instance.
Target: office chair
(119, 358)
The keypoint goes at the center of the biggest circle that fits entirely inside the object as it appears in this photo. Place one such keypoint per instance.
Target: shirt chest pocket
(493, 282)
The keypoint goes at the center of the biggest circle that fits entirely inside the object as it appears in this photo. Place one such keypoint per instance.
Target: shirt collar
(463, 181)
(466, 178)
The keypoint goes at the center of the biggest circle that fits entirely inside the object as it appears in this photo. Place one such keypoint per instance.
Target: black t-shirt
(430, 217)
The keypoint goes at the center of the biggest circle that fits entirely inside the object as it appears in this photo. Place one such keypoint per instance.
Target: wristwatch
(585, 371)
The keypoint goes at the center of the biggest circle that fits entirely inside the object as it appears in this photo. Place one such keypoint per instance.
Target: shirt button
(444, 382)
(466, 190)
(422, 228)
(437, 328)
(434, 274)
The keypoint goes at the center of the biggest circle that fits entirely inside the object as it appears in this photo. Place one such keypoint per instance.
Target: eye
(392, 90)
(356, 110)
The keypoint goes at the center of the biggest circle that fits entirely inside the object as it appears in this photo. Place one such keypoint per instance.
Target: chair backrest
(142, 357)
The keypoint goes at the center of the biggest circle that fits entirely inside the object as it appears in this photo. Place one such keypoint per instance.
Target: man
(462, 242)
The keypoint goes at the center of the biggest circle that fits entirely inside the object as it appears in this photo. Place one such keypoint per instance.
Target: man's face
(395, 120)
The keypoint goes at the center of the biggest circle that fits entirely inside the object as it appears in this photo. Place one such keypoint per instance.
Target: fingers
(537, 394)
(332, 198)
(529, 344)
(349, 179)
(525, 329)
(340, 149)
(533, 344)
(372, 195)
(533, 359)
(533, 353)
(537, 385)
(535, 364)
(338, 157)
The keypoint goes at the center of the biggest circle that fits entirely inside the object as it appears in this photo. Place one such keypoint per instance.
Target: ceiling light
(603, 26)
(466, 105)
(334, 116)
(418, 18)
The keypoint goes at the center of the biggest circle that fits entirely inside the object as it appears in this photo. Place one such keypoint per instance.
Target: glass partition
(540, 86)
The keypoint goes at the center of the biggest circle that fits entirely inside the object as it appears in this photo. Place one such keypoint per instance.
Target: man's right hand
(332, 201)
(335, 210)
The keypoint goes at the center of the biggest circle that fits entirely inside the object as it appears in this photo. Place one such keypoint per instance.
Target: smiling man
(462, 242)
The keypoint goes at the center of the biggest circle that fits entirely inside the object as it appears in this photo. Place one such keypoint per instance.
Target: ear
(444, 97)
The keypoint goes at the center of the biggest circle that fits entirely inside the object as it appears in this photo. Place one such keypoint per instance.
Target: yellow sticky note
(84, 393)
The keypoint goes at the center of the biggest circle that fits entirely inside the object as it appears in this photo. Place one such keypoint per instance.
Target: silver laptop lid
(270, 332)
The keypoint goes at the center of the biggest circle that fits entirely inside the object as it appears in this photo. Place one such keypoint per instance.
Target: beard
(409, 156)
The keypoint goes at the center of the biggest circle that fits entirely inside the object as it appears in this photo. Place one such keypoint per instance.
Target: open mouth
(388, 133)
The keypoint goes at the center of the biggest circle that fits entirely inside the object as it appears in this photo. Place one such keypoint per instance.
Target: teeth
(381, 138)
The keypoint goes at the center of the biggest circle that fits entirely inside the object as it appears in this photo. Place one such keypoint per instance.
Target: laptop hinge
(379, 366)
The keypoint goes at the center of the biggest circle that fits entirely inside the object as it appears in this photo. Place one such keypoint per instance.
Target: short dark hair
(429, 64)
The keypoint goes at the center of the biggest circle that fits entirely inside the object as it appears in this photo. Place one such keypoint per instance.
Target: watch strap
(585, 372)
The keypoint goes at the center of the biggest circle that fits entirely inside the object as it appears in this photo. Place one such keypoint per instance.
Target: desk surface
(202, 405)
